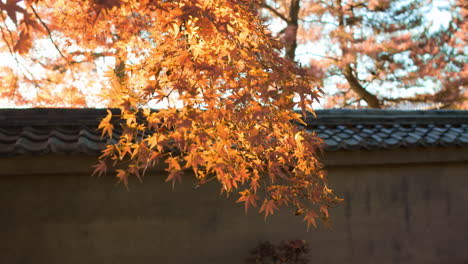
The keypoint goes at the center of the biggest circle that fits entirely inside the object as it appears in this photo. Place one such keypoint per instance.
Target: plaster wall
(393, 213)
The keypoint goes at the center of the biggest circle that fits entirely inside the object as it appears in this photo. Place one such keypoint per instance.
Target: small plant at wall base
(287, 252)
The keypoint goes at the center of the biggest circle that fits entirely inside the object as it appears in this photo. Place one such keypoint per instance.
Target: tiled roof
(73, 131)
(42, 131)
(388, 129)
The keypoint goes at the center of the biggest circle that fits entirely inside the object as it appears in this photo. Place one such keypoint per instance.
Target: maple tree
(228, 93)
(376, 46)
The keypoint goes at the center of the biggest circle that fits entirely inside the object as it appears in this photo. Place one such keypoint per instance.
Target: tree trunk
(371, 100)
(291, 30)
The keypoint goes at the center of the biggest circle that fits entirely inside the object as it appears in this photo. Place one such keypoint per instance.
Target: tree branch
(276, 12)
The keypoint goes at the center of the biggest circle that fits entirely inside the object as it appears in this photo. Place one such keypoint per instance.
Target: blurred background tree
(378, 53)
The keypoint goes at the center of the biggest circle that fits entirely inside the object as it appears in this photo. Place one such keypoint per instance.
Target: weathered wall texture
(413, 213)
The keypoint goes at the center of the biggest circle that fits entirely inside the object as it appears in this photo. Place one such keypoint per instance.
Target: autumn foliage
(228, 93)
(366, 53)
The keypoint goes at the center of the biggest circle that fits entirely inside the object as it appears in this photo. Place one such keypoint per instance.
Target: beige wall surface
(400, 213)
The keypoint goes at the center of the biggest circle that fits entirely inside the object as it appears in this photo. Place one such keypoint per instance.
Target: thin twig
(49, 33)
(318, 55)
(12, 53)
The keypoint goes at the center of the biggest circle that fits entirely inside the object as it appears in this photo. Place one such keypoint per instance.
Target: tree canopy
(228, 93)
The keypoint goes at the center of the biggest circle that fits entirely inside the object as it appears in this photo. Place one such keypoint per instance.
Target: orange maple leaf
(268, 207)
(106, 125)
(309, 218)
(100, 168)
(249, 199)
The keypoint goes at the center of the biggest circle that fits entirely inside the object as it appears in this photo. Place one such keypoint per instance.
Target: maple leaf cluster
(234, 121)
(234, 93)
